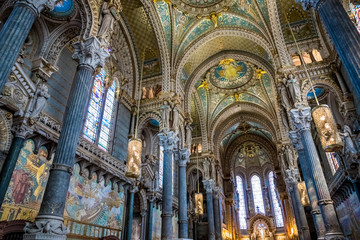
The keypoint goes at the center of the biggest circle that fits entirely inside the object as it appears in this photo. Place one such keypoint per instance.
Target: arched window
(100, 112)
(242, 211)
(257, 194)
(276, 204)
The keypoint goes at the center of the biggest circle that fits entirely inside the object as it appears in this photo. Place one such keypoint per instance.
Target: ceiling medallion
(231, 74)
(202, 7)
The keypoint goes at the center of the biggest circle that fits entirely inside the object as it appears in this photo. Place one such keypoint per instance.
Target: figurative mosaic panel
(24, 194)
(355, 9)
(91, 202)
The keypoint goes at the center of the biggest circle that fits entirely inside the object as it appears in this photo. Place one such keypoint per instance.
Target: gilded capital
(90, 52)
(301, 118)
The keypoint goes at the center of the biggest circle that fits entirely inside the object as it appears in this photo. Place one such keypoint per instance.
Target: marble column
(49, 222)
(143, 215)
(183, 218)
(217, 213)
(292, 177)
(16, 30)
(302, 119)
(168, 139)
(150, 219)
(345, 37)
(310, 187)
(130, 211)
(209, 185)
(21, 132)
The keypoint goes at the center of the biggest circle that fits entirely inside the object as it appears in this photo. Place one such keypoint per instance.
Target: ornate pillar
(310, 187)
(292, 176)
(217, 213)
(150, 218)
(49, 222)
(209, 185)
(168, 139)
(344, 36)
(21, 132)
(130, 210)
(183, 218)
(16, 30)
(302, 119)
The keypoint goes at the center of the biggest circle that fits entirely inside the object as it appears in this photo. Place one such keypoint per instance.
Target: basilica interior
(179, 119)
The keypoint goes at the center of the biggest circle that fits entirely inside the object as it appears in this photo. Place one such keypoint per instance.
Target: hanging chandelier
(323, 118)
(199, 198)
(133, 160)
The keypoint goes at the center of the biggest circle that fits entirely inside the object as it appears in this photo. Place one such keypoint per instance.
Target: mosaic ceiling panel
(222, 43)
(300, 21)
(142, 34)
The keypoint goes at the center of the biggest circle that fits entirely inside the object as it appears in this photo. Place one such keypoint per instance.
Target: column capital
(22, 130)
(296, 141)
(301, 117)
(38, 5)
(169, 140)
(90, 52)
(133, 189)
(208, 185)
(184, 157)
(292, 176)
(310, 3)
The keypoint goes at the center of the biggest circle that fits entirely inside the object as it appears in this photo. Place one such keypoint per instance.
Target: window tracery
(257, 194)
(242, 212)
(275, 201)
(99, 118)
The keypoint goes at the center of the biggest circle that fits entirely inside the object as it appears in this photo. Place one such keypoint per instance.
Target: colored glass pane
(257, 194)
(242, 211)
(107, 118)
(95, 104)
(276, 204)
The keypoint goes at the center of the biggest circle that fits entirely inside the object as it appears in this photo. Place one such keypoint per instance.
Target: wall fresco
(156, 230)
(25, 192)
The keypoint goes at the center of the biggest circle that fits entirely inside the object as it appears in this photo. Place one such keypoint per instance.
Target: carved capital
(296, 141)
(134, 189)
(292, 176)
(301, 118)
(169, 140)
(90, 52)
(47, 226)
(184, 157)
(22, 131)
(208, 185)
(38, 5)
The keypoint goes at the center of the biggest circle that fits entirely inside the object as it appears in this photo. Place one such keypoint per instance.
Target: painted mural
(62, 8)
(93, 203)
(24, 194)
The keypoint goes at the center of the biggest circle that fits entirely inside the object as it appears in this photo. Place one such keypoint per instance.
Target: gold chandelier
(133, 160)
(199, 198)
(323, 118)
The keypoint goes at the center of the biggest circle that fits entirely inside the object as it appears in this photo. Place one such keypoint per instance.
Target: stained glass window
(100, 112)
(356, 12)
(333, 162)
(242, 211)
(276, 204)
(161, 166)
(257, 194)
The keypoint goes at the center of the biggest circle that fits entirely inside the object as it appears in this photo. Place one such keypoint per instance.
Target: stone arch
(5, 133)
(146, 117)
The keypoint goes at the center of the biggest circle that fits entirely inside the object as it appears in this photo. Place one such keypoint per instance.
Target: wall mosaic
(26, 189)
